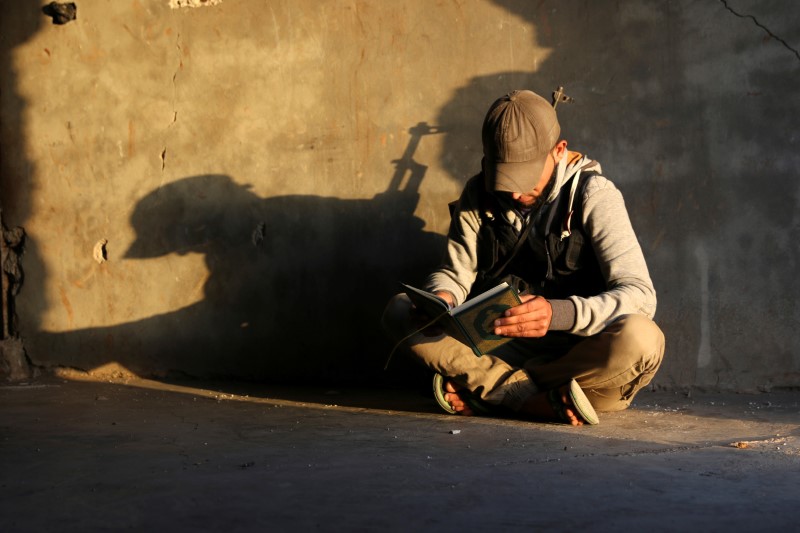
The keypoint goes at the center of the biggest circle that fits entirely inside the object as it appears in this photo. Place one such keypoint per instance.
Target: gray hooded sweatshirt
(605, 221)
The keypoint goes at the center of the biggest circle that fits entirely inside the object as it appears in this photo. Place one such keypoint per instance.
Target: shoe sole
(582, 404)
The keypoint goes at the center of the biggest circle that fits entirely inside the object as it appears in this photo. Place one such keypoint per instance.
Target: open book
(472, 321)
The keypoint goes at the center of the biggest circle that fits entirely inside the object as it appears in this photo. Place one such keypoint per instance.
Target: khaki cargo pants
(610, 367)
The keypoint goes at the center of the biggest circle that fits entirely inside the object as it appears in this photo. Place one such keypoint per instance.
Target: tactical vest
(556, 260)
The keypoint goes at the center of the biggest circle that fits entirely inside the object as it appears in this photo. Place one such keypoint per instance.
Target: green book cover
(470, 322)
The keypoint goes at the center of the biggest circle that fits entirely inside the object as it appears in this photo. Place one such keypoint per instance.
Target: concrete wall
(264, 172)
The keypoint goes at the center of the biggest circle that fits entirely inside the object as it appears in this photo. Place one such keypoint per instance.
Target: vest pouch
(568, 254)
(488, 248)
(575, 269)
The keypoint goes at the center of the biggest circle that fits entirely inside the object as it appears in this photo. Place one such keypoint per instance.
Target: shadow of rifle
(408, 171)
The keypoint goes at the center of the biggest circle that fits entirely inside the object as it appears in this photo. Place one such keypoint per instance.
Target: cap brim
(513, 177)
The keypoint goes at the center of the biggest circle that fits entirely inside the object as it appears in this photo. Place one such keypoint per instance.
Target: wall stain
(131, 138)
(67, 305)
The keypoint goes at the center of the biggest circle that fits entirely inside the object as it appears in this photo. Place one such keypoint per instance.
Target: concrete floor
(144, 455)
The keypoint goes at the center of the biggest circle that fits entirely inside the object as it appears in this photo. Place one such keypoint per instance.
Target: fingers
(529, 319)
(529, 304)
(527, 328)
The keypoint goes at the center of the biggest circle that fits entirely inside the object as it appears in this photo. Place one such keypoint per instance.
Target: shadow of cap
(191, 215)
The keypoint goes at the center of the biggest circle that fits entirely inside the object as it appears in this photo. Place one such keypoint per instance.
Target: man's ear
(560, 149)
(486, 184)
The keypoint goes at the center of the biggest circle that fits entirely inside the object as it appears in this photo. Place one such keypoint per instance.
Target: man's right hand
(448, 297)
(423, 320)
(531, 318)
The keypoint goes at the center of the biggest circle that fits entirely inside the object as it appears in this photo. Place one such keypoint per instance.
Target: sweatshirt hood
(569, 165)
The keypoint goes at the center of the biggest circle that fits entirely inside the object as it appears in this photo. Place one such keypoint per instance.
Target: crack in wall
(757, 23)
(174, 97)
(175, 77)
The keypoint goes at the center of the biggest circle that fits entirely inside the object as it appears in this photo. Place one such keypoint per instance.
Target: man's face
(536, 197)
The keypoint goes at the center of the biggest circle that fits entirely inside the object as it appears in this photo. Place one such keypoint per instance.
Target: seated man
(544, 219)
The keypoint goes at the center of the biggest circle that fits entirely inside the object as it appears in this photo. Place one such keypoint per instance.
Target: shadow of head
(193, 214)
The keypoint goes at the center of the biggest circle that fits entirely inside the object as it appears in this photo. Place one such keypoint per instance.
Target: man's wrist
(563, 315)
(447, 296)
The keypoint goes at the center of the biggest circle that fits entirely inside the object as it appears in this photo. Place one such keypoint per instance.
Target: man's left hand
(531, 318)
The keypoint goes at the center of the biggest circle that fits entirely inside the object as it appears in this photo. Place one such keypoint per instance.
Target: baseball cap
(519, 131)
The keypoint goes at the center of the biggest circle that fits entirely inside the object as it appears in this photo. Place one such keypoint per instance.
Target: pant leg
(490, 377)
(612, 366)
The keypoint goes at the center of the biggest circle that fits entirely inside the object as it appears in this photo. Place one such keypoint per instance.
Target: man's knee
(639, 338)
(635, 349)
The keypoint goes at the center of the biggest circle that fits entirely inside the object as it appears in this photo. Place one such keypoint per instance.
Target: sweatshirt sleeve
(460, 264)
(629, 287)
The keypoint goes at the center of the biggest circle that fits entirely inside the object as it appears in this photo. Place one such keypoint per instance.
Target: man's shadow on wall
(296, 284)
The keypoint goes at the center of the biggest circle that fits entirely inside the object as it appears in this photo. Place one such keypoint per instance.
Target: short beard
(541, 199)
